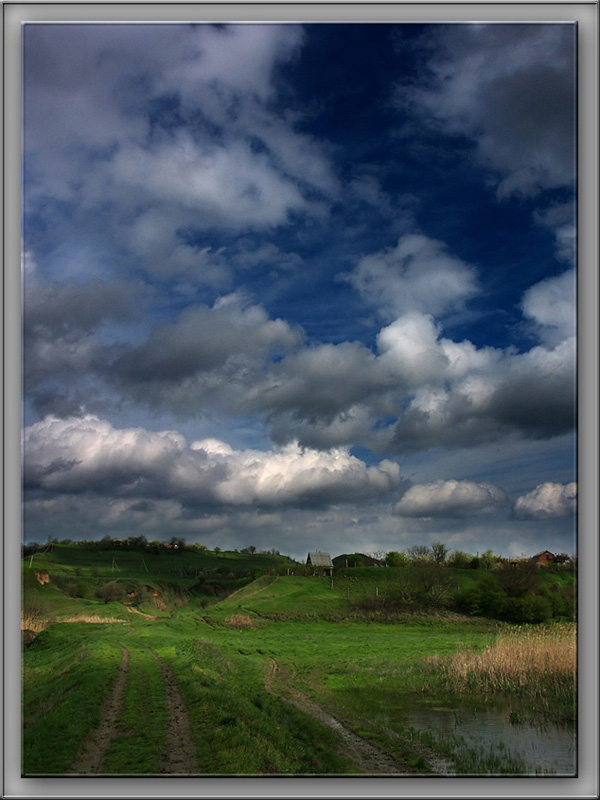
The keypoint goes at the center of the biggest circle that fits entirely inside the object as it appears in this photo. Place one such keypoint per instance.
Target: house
(545, 557)
(321, 561)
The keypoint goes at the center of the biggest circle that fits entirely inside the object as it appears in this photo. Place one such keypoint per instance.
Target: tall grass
(35, 615)
(538, 664)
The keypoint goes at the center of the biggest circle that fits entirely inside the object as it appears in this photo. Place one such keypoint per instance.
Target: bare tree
(439, 552)
(419, 553)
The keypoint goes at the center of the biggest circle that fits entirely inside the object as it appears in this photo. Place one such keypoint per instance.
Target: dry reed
(33, 622)
(92, 619)
(239, 621)
(536, 663)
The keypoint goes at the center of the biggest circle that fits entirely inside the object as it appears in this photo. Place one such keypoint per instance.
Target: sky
(300, 286)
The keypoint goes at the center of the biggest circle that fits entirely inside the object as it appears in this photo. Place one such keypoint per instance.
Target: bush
(396, 559)
(71, 587)
(528, 609)
(459, 560)
(110, 592)
(519, 579)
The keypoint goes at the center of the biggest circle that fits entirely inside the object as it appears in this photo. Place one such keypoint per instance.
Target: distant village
(416, 555)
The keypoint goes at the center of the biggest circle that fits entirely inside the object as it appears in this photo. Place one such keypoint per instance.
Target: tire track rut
(97, 742)
(365, 755)
(179, 756)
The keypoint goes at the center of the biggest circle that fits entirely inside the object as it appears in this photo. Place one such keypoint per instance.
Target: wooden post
(377, 591)
(331, 585)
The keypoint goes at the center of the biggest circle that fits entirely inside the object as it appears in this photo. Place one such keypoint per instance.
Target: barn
(321, 561)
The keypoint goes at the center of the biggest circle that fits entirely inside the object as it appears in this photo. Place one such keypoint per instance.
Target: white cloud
(547, 501)
(417, 275)
(151, 130)
(561, 219)
(227, 186)
(88, 455)
(551, 304)
(449, 498)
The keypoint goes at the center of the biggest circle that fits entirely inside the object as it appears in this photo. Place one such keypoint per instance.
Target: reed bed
(92, 619)
(538, 664)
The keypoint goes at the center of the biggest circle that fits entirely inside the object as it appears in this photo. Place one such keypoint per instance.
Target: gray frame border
(585, 14)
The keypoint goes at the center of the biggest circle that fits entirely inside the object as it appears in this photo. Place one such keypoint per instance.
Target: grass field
(249, 682)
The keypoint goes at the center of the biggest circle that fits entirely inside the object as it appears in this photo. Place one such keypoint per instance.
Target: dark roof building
(355, 560)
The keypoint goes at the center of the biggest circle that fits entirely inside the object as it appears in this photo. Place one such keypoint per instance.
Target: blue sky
(301, 286)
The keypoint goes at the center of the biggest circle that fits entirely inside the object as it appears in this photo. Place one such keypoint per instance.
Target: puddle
(490, 733)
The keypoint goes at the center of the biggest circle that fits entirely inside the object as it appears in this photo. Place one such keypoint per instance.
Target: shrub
(518, 579)
(110, 592)
(531, 608)
(459, 560)
(396, 559)
(486, 597)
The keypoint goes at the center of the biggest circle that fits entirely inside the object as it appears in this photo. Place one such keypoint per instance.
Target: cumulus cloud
(531, 394)
(417, 275)
(547, 501)
(88, 456)
(63, 324)
(419, 390)
(551, 305)
(202, 339)
(449, 498)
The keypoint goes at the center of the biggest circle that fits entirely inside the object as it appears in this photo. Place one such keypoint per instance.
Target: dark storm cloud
(203, 339)
(61, 323)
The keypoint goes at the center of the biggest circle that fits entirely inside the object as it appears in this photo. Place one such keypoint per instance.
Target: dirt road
(96, 744)
(367, 757)
(179, 756)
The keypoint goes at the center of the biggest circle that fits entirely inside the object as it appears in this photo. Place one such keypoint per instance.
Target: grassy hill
(262, 585)
(155, 583)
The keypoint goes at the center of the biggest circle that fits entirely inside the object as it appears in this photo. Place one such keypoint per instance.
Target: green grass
(140, 739)
(67, 674)
(363, 672)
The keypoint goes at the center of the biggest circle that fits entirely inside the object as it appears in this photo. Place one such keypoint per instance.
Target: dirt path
(98, 741)
(256, 591)
(364, 754)
(179, 756)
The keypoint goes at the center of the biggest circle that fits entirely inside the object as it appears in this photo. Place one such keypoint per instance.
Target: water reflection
(543, 750)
